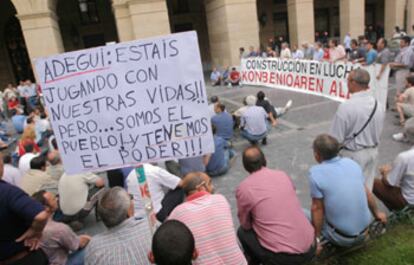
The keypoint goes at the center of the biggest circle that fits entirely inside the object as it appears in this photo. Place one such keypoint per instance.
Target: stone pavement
(289, 145)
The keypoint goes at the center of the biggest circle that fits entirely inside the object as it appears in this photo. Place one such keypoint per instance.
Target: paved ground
(289, 144)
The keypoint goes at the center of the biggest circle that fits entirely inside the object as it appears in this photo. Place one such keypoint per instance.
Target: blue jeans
(251, 137)
(76, 258)
(228, 154)
(332, 236)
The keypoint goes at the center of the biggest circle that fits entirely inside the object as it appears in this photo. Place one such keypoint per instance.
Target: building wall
(6, 73)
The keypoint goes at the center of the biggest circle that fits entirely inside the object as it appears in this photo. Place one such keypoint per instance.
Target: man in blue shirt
(371, 54)
(21, 224)
(218, 163)
(215, 77)
(341, 203)
(18, 121)
(223, 122)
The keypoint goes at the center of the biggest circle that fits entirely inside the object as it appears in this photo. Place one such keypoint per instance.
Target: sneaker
(288, 105)
(264, 141)
(399, 137)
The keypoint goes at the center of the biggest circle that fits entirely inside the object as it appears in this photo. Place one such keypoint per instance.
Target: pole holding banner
(146, 198)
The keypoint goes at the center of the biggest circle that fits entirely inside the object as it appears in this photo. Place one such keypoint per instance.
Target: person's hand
(378, 76)
(84, 240)
(392, 65)
(384, 170)
(31, 239)
(381, 216)
(274, 123)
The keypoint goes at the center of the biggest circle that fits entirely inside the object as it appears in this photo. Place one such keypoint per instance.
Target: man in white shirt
(24, 161)
(11, 174)
(253, 122)
(162, 187)
(285, 53)
(297, 53)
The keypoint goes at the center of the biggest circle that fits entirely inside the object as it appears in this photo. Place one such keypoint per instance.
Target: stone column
(149, 18)
(394, 16)
(301, 21)
(410, 17)
(231, 24)
(123, 20)
(352, 17)
(40, 27)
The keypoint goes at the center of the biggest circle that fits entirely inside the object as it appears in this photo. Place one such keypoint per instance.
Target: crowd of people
(42, 207)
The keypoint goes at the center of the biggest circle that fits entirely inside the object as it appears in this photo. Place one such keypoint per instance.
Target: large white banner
(313, 77)
(128, 103)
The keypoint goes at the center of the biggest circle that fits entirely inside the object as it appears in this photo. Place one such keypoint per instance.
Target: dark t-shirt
(357, 53)
(267, 107)
(17, 211)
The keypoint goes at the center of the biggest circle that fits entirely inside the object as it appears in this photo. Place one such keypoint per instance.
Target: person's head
(29, 120)
(214, 99)
(29, 133)
(47, 199)
(38, 163)
(260, 95)
(241, 49)
(251, 100)
(397, 29)
(214, 69)
(305, 45)
(410, 80)
(381, 44)
(53, 157)
(197, 181)
(253, 159)
(43, 115)
(115, 206)
(325, 33)
(54, 144)
(219, 107)
(333, 43)
(354, 44)
(173, 244)
(294, 47)
(318, 45)
(28, 148)
(233, 68)
(285, 45)
(28, 82)
(251, 49)
(358, 80)
(7, 159)
(13, 112)
(369, 45)
(405, 41)
(325, 147)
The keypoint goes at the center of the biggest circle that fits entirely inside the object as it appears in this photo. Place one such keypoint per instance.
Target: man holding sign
(358, 124)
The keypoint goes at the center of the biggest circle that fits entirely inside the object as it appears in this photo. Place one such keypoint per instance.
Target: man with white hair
(285, 52)
(127, 240)
(253, 122)
(396, 186)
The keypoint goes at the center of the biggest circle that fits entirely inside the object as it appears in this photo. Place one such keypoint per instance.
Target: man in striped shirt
(209, 218)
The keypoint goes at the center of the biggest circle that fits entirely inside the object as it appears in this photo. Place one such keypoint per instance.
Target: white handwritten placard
(124, 104)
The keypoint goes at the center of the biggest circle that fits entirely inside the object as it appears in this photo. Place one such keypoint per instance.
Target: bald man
(209, 218)
(273, 227)
(358, 123)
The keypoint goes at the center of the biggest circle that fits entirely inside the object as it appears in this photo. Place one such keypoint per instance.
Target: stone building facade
(36, 28)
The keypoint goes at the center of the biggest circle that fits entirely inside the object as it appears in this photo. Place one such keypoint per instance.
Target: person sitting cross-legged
(208, 216)
(273, 227)
(59, 242)
(173, 233)
(405, 101)
(234, 77)
(215, 77)
(341, 203)
(253, 122)
(127, 240)
(396, 186)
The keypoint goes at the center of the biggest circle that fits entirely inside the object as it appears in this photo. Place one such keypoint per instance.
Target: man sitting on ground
(396, 186)
(164, 187)
(223, 122)
(173, 233)
(59, 242)
(127, 240)
(74, 192)
(341, 202)
(11, 174)
(253, 122)
(24, 161)
(215, 77)
(55, 167)
(272, 111)
(234, 77)
(209, 218)
(405, 102)
(212, 105)
(37, 179)
(218, 163)
(273, 227)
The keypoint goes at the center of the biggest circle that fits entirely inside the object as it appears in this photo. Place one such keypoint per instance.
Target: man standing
(358, 124)
(403, 63)
(318, 53)
(384, 56)
(209, 218)
(341, 203)
(347, 42)
(21, 224)
(285, 51)
(273, 227)
(127, 240)
(371, 55)
(253, 122)
(356, 53)
(336, 52)
(396, 186)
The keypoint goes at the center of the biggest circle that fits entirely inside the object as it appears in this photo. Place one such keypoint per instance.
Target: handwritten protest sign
(312, 77)
(129, 103)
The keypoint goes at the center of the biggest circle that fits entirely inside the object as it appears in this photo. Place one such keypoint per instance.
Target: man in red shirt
(273, 227)
(234, 77)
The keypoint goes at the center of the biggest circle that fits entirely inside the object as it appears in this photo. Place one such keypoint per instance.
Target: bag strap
(355, 135)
